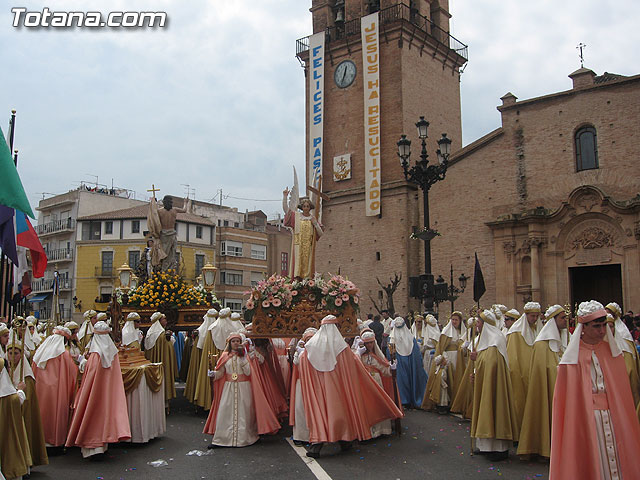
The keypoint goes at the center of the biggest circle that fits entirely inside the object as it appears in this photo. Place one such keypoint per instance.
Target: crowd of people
(549, 384)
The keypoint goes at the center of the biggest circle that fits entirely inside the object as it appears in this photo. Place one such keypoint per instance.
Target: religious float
(184, 304)
(280, 307)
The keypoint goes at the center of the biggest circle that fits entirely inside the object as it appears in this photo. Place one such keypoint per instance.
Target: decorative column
(535, 243)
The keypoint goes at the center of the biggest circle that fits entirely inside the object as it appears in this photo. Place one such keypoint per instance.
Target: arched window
(586, 149)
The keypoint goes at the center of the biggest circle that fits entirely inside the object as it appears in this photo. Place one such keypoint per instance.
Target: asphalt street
(431, 446)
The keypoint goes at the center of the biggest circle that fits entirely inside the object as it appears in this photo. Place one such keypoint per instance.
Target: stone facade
(534, 219)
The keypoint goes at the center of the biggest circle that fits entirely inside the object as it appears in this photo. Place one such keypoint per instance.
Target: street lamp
(124, 272)
(452, 292)
(425, 176)
(209, 280)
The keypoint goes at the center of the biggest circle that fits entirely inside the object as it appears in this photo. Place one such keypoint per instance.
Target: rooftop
(141, 212)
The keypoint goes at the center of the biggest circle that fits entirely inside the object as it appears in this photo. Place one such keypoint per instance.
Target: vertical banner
(371, 68)
(316, 108)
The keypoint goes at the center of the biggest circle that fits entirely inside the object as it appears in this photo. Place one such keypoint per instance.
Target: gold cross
(154, 190)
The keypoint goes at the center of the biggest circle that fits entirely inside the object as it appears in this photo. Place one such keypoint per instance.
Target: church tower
(363, 103)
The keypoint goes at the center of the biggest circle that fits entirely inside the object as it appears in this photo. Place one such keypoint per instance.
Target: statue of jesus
(162, 226)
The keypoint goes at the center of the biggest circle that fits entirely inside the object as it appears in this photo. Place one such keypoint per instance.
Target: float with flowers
(279, 306)
(167, 292)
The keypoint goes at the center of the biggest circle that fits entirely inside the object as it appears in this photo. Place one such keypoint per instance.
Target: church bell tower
(357, 106)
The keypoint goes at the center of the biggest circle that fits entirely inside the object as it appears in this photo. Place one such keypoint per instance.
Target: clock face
(345, 74)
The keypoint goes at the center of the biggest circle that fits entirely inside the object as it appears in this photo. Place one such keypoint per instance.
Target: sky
(215, 100)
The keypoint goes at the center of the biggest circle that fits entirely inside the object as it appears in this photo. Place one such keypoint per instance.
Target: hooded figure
(341, 400)
(158, 349)
(595, 433)
(493, 420)
(101, 396)
(410, 375)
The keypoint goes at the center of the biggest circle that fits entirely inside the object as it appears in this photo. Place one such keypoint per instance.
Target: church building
(549, 201)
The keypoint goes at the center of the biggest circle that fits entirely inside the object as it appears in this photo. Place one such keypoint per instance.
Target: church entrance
(602, 283)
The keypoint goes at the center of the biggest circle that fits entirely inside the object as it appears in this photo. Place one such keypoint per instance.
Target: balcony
(46, 284)
(44, 313)
(396, 13)
(59, 255)
(105, 272)
(57, 226)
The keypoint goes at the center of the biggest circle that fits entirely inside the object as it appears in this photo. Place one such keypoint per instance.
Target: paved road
(431, 446)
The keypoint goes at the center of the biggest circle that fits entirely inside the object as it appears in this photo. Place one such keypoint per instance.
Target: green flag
(11, 189)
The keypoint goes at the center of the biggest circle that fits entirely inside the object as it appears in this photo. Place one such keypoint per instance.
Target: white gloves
(361, 349)
(465, 345)
(393, 365)
(211, 373)
(83, 364)
(22, 396)
(300, 347)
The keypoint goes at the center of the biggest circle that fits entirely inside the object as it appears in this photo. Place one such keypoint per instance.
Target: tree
(389, 290)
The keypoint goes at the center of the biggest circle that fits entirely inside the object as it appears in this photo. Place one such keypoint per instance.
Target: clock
(345, 74)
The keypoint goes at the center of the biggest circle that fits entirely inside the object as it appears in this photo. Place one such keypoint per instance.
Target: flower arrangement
(165, 290)
(277, 292)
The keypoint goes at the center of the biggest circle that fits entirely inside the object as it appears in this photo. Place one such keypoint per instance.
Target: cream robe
(236, 424)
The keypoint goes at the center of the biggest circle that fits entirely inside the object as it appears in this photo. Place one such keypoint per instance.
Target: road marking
(314, 466)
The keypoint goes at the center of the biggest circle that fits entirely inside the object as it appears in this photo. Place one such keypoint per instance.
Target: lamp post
(125, 273)
(425, 176)
(453, 292)
(209, 280)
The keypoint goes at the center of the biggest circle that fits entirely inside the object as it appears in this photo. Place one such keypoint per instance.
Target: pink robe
(100, 410)
(56, 389)
(574, 443)
(345, 403)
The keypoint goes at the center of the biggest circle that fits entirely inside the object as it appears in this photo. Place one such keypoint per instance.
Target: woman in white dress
(232, 418)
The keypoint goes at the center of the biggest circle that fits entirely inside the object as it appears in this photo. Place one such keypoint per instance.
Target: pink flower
(276, 302)
(345, 298)
(250, 304)
(324, 302)
(325, 290)
(355, 299)
(265, 304)
(338, 302)
(294, 293)
(311, 283)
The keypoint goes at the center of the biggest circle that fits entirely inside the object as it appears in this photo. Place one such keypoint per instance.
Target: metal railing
(389, 15)
(44, 313)
(46, 284)
(56, 226)
(59, 254)
(105, 272)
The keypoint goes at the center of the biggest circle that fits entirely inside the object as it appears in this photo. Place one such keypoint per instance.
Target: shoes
(313, 454)
(298, 443)
(498, 456)
(212, 446)
(345, 446)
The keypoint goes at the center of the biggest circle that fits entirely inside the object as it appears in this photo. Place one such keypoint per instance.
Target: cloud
(216, 99)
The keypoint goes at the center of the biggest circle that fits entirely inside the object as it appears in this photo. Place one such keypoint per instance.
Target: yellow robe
(192, 374)
(535, 434)
(434, 384)
(163, 352)
(463, 401)
(493, 410)
(85, 341)
(15, 456)
(203, 396)
(519, 354)
(33, 424)
(632, 362)
(304, 247)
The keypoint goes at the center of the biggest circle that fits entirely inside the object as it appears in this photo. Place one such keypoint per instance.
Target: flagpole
(8, 310)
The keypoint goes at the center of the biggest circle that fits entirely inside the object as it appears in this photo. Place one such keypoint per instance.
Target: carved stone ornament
(592, 237)
(509, 249)
(342, 167)
(588, 200)
(637, 230)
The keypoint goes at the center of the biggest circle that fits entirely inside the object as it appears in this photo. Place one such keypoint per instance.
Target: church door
(602, 283)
